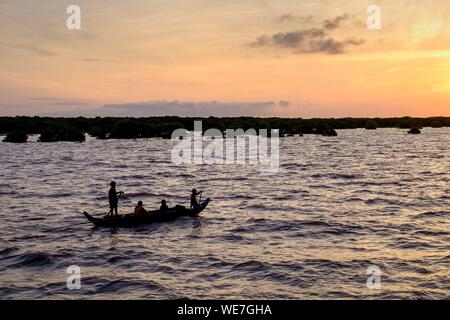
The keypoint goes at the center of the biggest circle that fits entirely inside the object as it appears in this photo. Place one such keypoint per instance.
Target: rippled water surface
(337, 206)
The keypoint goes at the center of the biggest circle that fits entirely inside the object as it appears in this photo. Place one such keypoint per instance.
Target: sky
(288, 58)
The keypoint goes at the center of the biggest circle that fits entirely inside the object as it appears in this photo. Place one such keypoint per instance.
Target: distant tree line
(73, 129)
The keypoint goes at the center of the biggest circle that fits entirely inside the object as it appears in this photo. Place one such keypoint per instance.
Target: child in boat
(194, 194)
(139, 209)
(113, 196)
(164, 206)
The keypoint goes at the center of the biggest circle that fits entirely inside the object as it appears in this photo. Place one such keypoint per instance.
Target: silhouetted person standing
(194, 194)
(113, 196)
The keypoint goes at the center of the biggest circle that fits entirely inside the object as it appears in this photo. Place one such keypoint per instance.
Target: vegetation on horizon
(16, 137)
(73, 129)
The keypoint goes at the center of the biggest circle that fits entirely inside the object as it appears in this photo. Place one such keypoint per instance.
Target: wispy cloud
(332, 24)
(54, 101)
(194, 108)
(91, 60)
(290, 17)
(34, 49)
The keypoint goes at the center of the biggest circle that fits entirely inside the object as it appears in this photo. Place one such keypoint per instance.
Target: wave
(432, 233)
(104, 285)
(341, 266)
(233, 238)
(431, 214)
(59, 195)
(313, 228)
(34, 259)
(251, 265)
(411, 244)
(164, 269)
(337, 176)
(241, 196)
(8, 250)
(116, 259)
(286, 279)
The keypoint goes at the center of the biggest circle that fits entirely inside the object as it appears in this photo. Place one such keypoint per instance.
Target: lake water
(337, 206)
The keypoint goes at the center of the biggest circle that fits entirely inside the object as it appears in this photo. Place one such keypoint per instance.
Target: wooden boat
(129, 220)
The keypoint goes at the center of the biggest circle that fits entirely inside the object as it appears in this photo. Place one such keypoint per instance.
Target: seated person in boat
(164, 206)
(139, 209)
(113, 197)
(194, 194)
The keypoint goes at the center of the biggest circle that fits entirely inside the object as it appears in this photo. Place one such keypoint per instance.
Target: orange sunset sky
(302, 58)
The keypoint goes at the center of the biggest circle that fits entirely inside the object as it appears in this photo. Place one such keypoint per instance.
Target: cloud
(35, 49)
(310, 40)
(332, 24)
(332, 46)
(291, 40)
(193, 108)
(290, 17)
(284, 103)
(91, 60)
(53, 101)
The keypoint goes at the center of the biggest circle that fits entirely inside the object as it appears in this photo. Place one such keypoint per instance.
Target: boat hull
(129, 220)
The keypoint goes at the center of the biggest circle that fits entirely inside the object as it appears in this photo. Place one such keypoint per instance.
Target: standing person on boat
(164, 206)
(194, 202)
(139, 209)
(113, 196)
